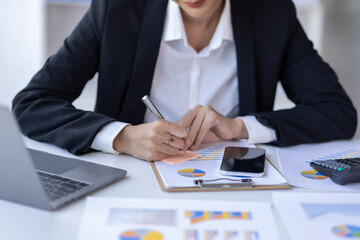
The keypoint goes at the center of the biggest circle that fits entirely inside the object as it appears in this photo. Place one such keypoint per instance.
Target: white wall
(311, 16)
(21, 44)
(342, 45)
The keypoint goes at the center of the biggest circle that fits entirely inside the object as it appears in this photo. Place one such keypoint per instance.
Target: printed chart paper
(152, 219)
(320, 215)
(207, 167)
(295, 163)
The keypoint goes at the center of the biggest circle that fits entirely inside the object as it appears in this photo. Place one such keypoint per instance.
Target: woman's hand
(207, 125)
(152, 141)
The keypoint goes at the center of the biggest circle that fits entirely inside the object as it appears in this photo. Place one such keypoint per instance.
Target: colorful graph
(251, 235)
(229, 235)
(351, 153)
(118, 216)
(215, 152)
(191, 235)
(210, 234)
(313, 175)
(201, 216)
(347, 231)
(191, 172)
(141, 234)
(314, 210)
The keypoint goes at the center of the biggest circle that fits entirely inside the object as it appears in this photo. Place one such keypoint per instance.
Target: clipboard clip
(239, 183)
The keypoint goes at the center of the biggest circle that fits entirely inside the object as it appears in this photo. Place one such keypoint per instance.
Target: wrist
(120, 141)
(241, 131)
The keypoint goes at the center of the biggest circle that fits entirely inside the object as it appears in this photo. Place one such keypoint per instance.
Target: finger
(187, 143)
(169, 150)
(178, 143)
(195, 127)
(163, 129)
(188, 118)
(173, 141)
(177, 130)
(204, 129)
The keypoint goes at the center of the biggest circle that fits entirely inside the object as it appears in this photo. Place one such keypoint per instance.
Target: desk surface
(22, 222)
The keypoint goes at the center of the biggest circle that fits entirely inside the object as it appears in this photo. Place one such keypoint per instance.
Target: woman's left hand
(207, 125)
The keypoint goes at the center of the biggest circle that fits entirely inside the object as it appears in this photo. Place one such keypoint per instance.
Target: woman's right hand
(152, 141)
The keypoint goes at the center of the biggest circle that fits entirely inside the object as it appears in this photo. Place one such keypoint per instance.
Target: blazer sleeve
(323, 111)
(44, 107)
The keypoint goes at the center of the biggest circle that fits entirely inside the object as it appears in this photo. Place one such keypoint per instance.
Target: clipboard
(221, 187)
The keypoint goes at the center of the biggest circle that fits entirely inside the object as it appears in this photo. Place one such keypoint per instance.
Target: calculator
(340, 171)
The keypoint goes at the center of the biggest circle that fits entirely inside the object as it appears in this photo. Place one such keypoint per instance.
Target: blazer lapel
(148, 48)
(244, 41)
(148, 45)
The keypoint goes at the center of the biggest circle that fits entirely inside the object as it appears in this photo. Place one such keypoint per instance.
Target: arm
(44, 108)
(323, 111)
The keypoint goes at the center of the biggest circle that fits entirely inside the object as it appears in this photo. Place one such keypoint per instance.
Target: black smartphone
(240, 161)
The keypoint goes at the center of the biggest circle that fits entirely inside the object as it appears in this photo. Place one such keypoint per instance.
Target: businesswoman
(211, 67)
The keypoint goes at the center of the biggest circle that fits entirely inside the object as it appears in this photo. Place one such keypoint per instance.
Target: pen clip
(239, 183)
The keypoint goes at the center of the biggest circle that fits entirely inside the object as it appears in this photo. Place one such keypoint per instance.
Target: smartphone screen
(243, 161)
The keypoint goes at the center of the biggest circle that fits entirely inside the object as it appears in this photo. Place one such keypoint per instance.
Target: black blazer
(120, 40)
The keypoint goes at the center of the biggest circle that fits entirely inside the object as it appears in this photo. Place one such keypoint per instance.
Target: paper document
(166, 219)
(295, 163)
(314, 216)
(207, 167)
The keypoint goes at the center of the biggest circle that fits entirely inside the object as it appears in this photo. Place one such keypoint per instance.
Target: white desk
(18, 222)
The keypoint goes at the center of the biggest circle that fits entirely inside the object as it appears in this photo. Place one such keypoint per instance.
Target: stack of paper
(149, 219)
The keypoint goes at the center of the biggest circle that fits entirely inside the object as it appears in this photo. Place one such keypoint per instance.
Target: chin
(196, 13)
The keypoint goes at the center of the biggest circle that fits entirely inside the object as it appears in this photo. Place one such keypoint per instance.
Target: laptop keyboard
(57, 187)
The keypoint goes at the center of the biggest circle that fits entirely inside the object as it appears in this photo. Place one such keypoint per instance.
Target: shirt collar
(174, 27)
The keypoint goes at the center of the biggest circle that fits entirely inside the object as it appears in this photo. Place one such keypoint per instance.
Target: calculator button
(337, 169)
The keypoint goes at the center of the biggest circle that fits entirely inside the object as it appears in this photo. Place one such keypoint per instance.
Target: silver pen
(153, 109)
(150, 105)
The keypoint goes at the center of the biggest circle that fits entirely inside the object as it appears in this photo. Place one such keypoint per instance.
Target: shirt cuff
(104, 140)
(258, 133)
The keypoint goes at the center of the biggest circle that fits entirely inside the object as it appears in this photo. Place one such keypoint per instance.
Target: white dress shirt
(184, 78)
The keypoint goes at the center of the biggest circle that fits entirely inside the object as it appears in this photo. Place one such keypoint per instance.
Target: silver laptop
(43, 180)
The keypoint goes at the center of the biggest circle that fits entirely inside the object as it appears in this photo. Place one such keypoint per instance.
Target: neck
(199, 30)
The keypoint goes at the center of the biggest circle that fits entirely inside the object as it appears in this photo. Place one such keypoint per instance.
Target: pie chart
(313, 175)
(141, 234)
(191, 172)
(347, 231)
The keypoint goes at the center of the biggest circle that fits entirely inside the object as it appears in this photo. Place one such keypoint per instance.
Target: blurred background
(32, 30)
